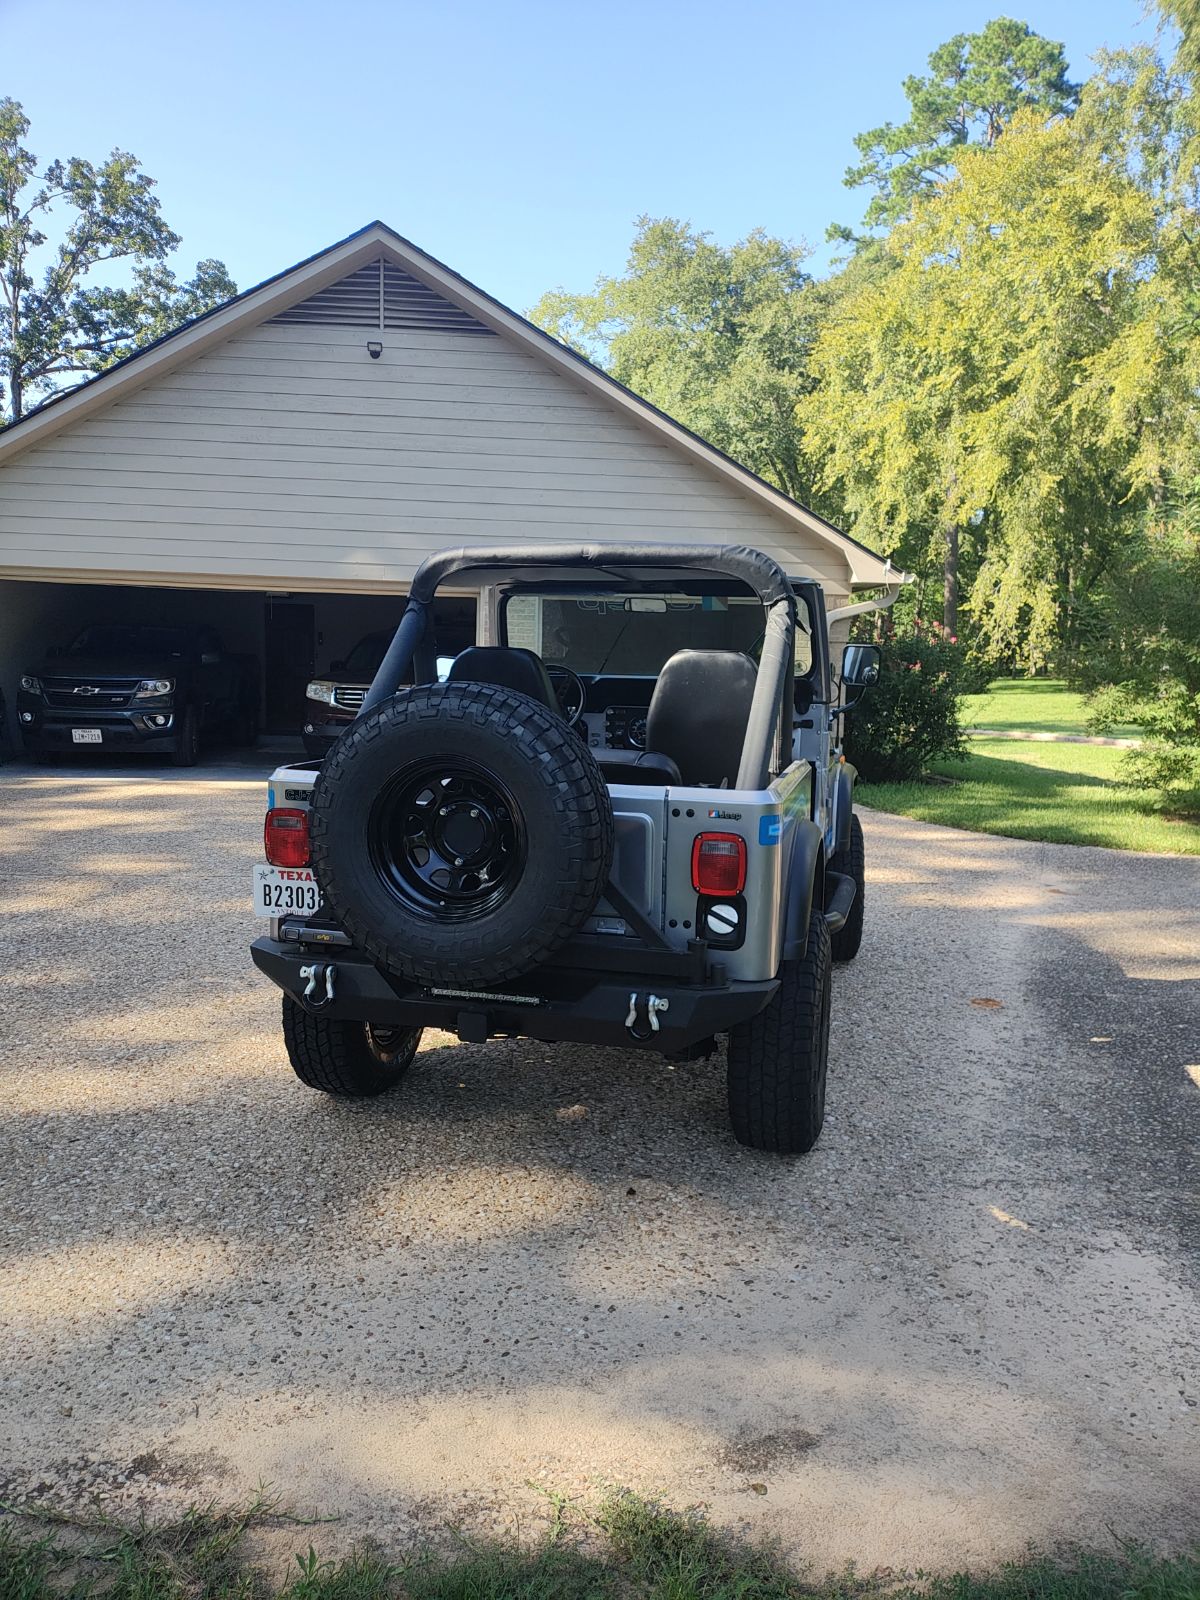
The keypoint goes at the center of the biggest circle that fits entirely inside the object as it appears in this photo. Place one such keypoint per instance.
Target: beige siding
(287, 458)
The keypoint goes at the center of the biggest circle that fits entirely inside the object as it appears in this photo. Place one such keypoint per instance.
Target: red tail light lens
(285, 837)
(718, 864)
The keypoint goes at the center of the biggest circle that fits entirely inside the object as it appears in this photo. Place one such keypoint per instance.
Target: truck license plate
(87, 735)
(285, 891)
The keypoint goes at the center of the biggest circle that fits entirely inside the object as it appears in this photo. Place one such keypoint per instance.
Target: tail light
(285, 837)
(718, 864)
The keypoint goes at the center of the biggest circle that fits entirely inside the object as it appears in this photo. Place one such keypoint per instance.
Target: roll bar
(413, 644)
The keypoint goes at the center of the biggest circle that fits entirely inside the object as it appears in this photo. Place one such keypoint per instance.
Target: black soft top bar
(491, 564)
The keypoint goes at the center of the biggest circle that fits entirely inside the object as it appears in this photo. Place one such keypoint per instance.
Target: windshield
(631, 637)
(364, 660)
(108, 640)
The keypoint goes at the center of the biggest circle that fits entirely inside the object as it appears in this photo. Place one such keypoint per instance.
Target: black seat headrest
(507, 667)
(698, 713)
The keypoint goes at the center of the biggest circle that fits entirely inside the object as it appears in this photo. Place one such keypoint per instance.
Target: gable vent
(381, 295)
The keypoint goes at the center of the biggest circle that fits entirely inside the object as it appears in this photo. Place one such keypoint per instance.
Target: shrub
(1144, 667)
(910, 717)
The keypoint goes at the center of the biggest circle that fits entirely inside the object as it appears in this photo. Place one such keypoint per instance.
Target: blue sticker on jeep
(770, 830)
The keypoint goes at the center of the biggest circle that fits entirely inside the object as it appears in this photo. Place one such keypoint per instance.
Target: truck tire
(460, 833)
(778, 1060)
(351, 1060)
(851, 861)
(187, 740)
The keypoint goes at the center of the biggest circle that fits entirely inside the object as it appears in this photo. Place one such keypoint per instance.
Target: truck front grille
(349, 699)
(83, 694)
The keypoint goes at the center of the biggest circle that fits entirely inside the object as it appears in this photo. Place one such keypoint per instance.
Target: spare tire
(461, 833)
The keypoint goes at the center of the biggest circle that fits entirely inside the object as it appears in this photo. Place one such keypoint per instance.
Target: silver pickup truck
(621, 818)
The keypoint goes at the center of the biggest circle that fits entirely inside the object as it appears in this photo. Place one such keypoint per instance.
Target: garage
(278, 469)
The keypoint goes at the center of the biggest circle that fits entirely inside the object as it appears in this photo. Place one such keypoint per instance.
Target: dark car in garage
(136, 687)
(333, 700)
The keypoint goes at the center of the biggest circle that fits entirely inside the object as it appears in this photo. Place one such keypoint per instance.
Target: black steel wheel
(449, 839)
(461, 833)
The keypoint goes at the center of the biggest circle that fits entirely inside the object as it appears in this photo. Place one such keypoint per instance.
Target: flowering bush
(910, 717)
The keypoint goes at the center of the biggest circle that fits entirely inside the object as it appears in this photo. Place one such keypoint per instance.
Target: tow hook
(653, 1005)
(318, 991)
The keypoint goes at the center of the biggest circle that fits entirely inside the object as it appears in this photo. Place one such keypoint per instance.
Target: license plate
(87, 735)
(285, 892)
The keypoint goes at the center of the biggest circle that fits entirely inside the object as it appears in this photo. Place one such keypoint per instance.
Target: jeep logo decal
(724, 816)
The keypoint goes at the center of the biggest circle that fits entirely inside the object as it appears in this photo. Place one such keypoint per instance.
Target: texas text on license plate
(87, 735)
(285, 891)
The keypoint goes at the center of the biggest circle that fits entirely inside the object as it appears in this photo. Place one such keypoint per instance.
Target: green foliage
(716, 336)
(1144, 667)
(645, 1551)
(976, 84)
(910, 717)
(1021, 379)
(54, 321)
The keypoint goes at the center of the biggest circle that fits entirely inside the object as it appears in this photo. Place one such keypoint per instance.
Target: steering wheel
(569, 691)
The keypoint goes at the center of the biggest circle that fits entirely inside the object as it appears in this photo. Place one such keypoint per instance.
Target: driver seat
(508, 668)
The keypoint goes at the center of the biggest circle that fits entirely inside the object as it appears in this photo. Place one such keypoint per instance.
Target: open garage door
(288, 638)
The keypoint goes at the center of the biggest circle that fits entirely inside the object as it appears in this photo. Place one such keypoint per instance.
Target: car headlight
(321, 691)
(31, 685)
(150, 688)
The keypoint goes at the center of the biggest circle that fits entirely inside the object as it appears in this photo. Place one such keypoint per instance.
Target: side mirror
(860, 666)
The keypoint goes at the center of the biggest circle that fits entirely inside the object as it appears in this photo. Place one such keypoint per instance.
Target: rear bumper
(554, 1004)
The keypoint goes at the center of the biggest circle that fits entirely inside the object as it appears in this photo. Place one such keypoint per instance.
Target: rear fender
(806, 884)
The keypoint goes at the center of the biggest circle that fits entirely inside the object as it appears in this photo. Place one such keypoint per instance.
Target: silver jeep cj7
(621, 818)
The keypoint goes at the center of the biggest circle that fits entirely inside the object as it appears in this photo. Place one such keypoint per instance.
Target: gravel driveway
(969, 1319)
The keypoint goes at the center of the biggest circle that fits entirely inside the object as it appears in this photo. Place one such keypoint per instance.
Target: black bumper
(51, 733)
(554, 1004)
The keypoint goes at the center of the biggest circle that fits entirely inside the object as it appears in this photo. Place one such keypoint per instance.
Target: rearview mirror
(645, 603)
(860, 665)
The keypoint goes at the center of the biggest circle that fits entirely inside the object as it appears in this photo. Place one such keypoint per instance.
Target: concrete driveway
(968, 1320)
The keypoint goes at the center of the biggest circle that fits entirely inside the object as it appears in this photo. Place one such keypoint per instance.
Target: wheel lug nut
(474, 811)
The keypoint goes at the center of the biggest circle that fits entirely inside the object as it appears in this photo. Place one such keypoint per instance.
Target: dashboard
(614, 714)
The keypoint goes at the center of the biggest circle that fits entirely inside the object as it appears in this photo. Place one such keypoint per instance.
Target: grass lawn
(1067, 793)
(1036, 705)
(630, 1549)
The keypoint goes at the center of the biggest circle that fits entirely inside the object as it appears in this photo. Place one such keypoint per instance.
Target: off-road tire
(556, 788)
(187, 740)
(851, 861)
(346, 1059)
(777, 1060)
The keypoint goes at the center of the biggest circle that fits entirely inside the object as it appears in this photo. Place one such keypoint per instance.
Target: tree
(1004, 386)
(54, 321)
(717, 337)
(976, 84)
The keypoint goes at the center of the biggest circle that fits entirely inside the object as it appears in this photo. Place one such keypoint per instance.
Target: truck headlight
(151, 688)
(31, 685)
(321, 691)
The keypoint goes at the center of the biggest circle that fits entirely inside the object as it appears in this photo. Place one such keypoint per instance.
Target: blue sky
(517, 142)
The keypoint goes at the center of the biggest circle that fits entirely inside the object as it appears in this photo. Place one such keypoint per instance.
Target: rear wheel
(851, 861)
(778, 1060)
(351, 1060)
